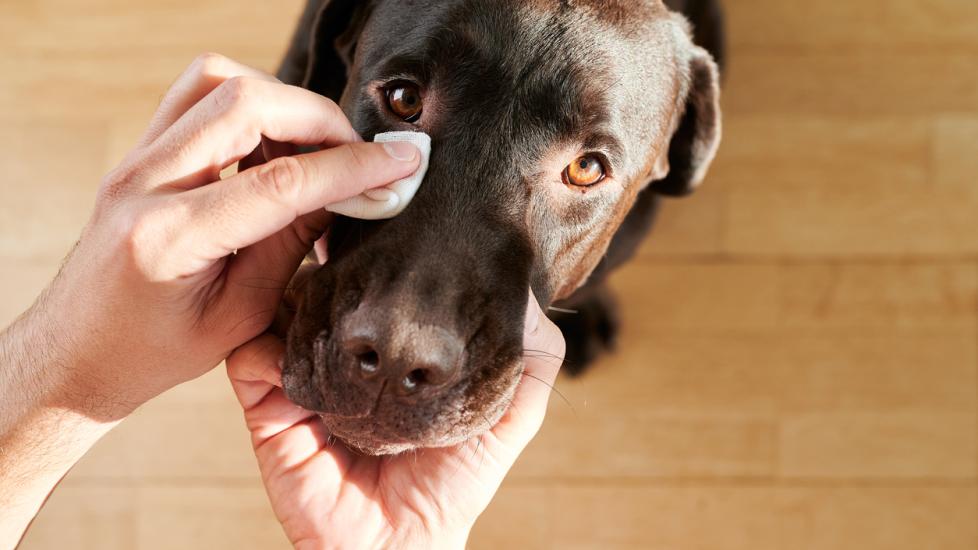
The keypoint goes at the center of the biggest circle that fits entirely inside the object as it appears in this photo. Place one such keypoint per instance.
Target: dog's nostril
(369, 362)
(414, 379)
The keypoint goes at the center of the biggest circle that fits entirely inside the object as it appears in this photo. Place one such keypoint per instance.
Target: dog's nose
(413, 360)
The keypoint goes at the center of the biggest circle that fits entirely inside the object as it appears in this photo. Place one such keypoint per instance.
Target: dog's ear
(323, 47)
(697, 137)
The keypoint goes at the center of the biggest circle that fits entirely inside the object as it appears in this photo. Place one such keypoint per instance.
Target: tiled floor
(799, 368)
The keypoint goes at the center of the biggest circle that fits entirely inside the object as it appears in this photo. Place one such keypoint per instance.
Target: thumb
(543, 355)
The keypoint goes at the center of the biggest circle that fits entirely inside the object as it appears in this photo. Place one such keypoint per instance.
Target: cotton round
(387, 202)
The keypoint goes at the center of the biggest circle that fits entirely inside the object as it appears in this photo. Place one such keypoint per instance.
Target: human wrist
(42, 435)
(24, 386)
(48, 366)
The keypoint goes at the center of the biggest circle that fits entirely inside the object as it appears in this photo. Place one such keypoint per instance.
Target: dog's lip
(371, 442)
(370, 413)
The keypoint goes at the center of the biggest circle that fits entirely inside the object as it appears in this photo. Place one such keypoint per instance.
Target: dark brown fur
(514, 91)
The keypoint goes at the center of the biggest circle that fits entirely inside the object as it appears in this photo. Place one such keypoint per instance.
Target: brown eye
(404, 100)
(585, 171)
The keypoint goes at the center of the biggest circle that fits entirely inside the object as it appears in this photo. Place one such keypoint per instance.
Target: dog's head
(547, 118)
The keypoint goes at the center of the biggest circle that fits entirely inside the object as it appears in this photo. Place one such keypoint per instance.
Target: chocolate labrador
(556, 127)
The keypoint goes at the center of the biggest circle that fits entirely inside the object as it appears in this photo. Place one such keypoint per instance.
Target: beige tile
(636, 444)
(195, 433)
(207, 517)
(768, 373)
(824, 150)
(862, 518)
(634, 517)
(710, 406)
(851, 82)
(872, 445)
(86, 518)
(664, 518)
(21, 282)
(718, 297)
(900, 374)
(880, 297)
(697, 297)
(754, 518)
(689, 226)
(797, 157)
(67, 61)
(872, 219)
(912, 25)
(842, 186)
(45, 203)
(518, 515)
(955, 163)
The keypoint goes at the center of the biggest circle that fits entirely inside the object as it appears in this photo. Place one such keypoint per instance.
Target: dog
(557, 126)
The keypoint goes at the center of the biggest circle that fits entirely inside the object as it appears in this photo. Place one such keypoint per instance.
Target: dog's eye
(405, 101)
(585, 171)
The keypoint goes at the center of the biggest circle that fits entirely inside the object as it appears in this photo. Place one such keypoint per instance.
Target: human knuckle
(140, 233)
(150, 233)
(281, 178)
(237, 91)
(208, 63)
(334, 110)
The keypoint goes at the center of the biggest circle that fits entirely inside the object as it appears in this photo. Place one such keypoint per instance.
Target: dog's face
(547, 120)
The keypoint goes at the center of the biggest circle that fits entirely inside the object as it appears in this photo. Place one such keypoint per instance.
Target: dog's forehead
(615, 62)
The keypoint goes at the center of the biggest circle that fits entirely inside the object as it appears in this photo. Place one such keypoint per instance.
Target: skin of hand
(176, 267)
(327, 496)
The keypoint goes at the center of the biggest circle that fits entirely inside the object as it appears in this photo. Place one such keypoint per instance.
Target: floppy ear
(323, 46)
(697, 137)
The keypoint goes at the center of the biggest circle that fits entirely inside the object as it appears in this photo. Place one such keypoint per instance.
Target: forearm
(43, 430)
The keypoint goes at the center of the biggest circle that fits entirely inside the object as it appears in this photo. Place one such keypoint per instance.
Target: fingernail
(401, 150)
(532, 322)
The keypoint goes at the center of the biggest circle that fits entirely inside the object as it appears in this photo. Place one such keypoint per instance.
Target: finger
(261, 274)
(206, 73)
(254, 205)
(268, 150)
(544, 349)
(254, 369)
(273, 415)
(229, 123)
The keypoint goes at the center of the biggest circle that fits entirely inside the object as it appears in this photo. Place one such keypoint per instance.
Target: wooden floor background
(798, 367)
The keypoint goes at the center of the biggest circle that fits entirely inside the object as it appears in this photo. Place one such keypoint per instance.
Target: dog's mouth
(391, 428)
(379, 419)
(386, 380)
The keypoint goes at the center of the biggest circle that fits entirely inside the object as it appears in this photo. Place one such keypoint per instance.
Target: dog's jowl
(556, 126)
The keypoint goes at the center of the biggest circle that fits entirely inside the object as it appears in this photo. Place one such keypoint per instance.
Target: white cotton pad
(386, 202)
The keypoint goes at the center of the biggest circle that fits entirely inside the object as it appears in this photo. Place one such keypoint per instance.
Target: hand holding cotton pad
(386, 202)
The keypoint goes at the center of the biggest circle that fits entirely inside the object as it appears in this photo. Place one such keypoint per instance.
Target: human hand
(177, 268)
(327, 496)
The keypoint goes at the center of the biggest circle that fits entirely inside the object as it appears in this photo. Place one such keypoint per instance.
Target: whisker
(562, 310)
(478, 441)
(553, 389)
(540, 354)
